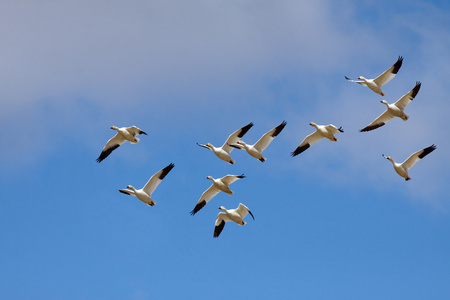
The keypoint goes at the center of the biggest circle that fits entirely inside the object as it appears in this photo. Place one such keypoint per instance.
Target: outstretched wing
(229, 179)
(333, 129)
(156, 179)
(268, 137)
(222, 218)
(242, 210)
(235, 136)
(415, 157)
(110, 146)
(307, 142)
(408, 97)
(357, 81)
(135, 131)
(378, 122)
(206, 196)
(128, 192)
(389, 73)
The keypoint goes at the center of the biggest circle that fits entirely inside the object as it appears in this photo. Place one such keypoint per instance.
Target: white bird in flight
(257, 149)
(236, 215)
(322, 131)
(220, 184)
(123, 134)
(403, 168)
(145, 194)
(224, 151)
(394, 110)
(376, 84)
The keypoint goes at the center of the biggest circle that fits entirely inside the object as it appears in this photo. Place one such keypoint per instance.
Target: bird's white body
(326, 131)
(393, 110)
(221, 153)
(376, 83)
(142, 195)
(257, 149)
(123, 134)
(251, 149)
(123, 131)
(403, 168)
(322, 131)
(219, 184)
(371, 84)
(224, 152)
(236, 215)
(233, 215)
(145, 194)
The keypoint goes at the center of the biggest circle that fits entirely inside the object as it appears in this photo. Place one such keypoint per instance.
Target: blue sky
(334, 222)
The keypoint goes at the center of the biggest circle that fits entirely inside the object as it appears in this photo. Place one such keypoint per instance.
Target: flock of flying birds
(238, 214)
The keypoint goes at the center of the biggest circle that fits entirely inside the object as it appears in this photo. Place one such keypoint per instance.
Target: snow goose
(322, 131)
(145, 194)
(123, 134)
(221, 184)
(376, 84)
(257, 149)
(236, 215)
(394, 110)
(224, 151)
(403, 168)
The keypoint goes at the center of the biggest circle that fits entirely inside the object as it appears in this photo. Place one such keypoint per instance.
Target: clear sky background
(335, 222)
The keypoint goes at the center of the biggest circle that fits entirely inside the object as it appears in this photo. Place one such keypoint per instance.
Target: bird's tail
(135, 140)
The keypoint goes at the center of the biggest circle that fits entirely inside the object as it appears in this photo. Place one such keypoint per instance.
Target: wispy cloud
(202, 58)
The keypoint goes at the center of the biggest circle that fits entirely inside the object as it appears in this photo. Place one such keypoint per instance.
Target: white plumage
(123, 134)
(220, 184)
(403, 168)
(236, 215)
(376, 84)
(257, 149)
(145, 194)
(394, 110)
(322, 131)
(224, 151)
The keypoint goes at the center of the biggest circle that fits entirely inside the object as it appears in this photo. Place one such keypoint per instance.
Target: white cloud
(182, 58)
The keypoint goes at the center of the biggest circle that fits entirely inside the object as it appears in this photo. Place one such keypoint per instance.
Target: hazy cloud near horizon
(59, 57)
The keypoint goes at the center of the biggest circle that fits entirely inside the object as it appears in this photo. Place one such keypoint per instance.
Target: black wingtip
(245, 129)
(241, 176)
(427, 151)
(369, 128)
(166, 170)
(300, 149)
(218, 229)
(340, 129)
(279, 128)
(416, 89)
(142, 132)
(196, 209)
(251, 214)
(397, 65)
